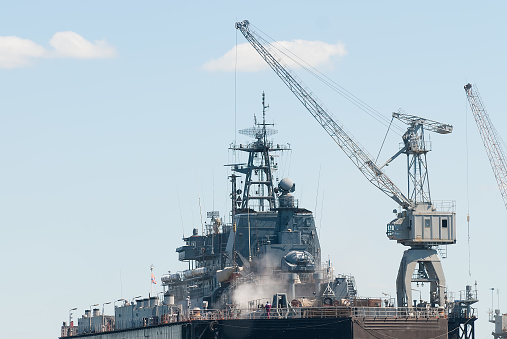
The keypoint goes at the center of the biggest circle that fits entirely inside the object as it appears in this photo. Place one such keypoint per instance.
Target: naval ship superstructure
(271, 246)
(261, 275)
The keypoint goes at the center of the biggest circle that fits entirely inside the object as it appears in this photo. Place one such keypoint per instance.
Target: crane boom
(428, 124)
(353, 151)
(490, 140)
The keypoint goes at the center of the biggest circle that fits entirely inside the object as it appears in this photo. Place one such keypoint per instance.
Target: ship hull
(314, 328)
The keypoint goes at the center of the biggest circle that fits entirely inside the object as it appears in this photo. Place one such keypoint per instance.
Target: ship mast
(259, 169)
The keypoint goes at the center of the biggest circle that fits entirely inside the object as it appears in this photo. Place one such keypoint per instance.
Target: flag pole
(152, 281)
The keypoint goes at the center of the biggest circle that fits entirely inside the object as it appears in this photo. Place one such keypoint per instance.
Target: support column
(436, 278)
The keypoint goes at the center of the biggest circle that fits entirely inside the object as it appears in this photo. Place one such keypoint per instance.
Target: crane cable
(235, 98)
(328, 81)
(468, 195)
(381, 146)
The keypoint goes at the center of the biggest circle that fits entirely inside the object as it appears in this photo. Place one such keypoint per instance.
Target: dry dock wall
(400, 328)
(313, 328)
(174, 331)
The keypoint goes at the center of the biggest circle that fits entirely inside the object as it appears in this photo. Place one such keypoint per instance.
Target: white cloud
(315, 53)
(72, 45)
(17, 52)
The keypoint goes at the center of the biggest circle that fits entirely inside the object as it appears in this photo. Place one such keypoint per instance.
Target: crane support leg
(430, 270)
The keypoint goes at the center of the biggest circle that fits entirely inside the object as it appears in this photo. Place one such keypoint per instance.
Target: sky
(116, 118)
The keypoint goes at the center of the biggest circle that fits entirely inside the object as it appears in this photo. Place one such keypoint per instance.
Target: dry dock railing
(319, 312)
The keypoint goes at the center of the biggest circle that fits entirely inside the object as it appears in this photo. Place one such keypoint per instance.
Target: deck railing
(320, 312)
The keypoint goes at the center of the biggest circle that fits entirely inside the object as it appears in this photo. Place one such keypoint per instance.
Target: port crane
(419, 225)
(490, 139)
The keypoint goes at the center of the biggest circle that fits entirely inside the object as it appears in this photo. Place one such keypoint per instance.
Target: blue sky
(112, 128)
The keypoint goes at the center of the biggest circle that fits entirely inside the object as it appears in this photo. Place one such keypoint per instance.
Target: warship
(261, 274)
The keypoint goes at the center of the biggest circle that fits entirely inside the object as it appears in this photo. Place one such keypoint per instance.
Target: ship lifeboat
(198, 272)
(170, 278)
(225, 274)
(228, 273)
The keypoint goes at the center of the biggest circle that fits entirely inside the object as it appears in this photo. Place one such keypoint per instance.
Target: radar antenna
(259, 131)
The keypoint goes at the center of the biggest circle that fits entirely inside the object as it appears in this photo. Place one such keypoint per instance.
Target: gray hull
(318, 328)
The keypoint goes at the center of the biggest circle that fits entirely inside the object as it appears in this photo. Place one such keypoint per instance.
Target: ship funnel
(292, 283)
(168, 299)
(142, 303)
(318, 277)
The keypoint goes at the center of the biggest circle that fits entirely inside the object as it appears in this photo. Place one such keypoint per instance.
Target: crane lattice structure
(420, 226)
(490, 139)
(416, 149)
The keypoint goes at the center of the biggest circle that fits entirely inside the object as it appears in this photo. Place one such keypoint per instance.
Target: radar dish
(286, 184)
(257, 132)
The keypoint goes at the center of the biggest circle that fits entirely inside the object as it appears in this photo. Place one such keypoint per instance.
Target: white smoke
(260, 292)
(263, 287)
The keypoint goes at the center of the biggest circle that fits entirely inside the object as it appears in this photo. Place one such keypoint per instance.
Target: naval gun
(420, 225)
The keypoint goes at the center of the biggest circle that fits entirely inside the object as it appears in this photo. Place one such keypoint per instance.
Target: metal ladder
(351, 287)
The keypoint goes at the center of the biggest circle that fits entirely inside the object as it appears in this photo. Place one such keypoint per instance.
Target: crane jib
(490, 140)
(355, 153)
